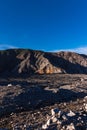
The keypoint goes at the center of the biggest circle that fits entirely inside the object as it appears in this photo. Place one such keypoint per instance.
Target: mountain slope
(26, 61)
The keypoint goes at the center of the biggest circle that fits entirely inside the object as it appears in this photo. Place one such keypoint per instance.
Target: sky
(49, 25)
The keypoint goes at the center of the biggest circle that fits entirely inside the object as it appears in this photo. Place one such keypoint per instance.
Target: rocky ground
(38, 102)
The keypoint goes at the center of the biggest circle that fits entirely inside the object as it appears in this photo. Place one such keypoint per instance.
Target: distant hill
(26, 61)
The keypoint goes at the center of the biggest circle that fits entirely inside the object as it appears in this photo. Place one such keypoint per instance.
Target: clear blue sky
(43, 24)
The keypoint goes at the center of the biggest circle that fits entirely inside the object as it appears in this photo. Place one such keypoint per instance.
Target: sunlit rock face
(49, 69)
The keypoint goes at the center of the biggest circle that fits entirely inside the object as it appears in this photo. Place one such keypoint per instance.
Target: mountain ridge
(28, 61)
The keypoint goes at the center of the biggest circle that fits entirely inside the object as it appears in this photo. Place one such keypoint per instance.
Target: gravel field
(27, 103)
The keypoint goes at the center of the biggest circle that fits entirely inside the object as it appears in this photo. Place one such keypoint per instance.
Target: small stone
(49, 122)
(54, 119)
(70, 127)
(59, 122)
(54, 111)
(70, 114)
(63, 128)
(25, 126)
(84, 115)
(82, 79)
(59, 114)
(85, 97)
(79, 118)
(48, 117)
(82, 122)
(77, 100)
(44, 127)
(38, 112)
(9, 85)
(85, 107)
(64, 104)
(80, 108)
(12, 114)
(64, 117)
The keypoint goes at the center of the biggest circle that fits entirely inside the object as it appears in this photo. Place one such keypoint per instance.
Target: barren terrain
(26, 103)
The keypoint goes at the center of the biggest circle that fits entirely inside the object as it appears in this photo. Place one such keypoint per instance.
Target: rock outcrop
(64, 121)
(22, 61)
